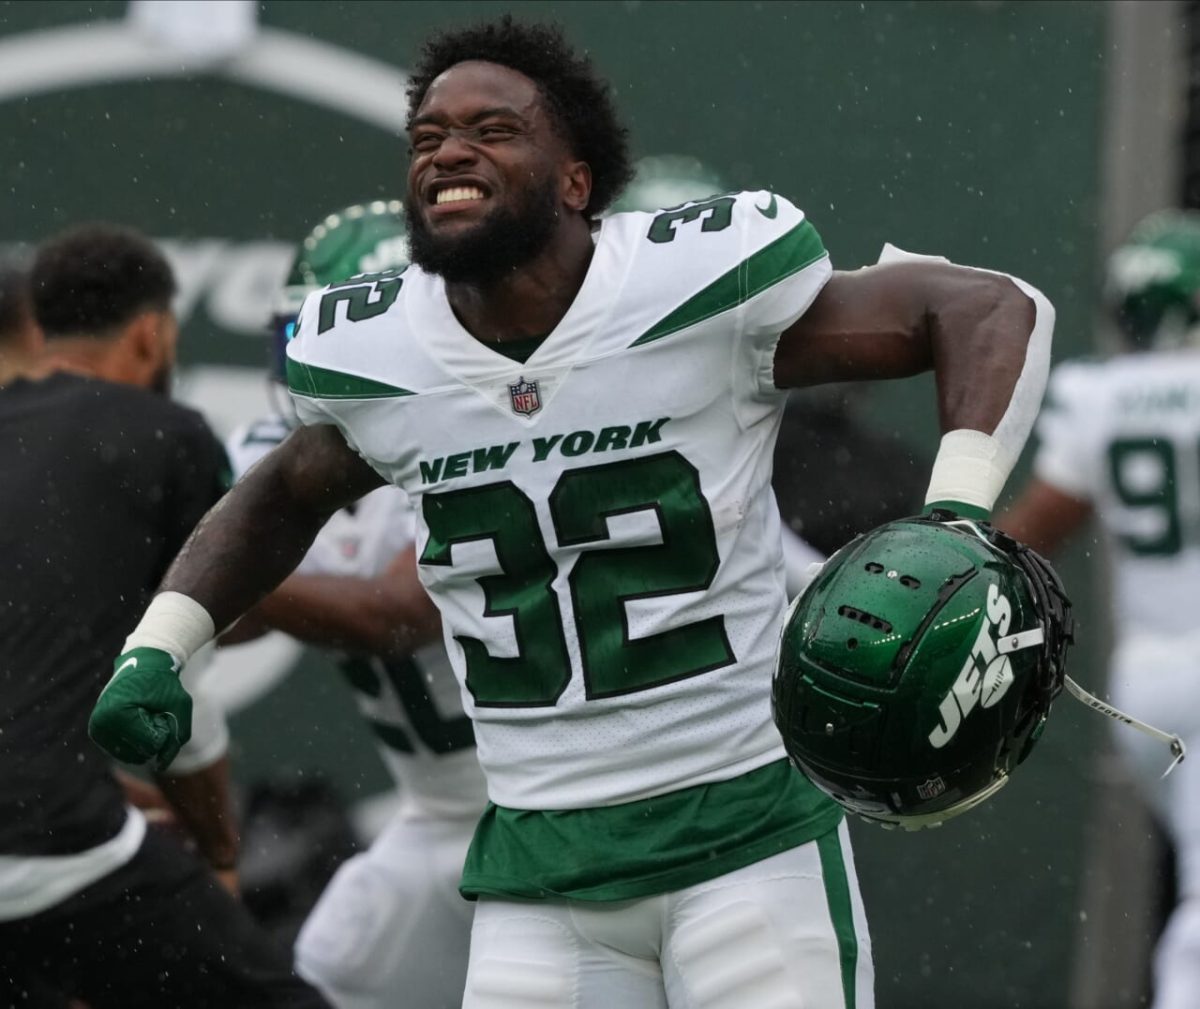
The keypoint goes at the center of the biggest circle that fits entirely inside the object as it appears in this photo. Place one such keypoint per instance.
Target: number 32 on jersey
(603, 579)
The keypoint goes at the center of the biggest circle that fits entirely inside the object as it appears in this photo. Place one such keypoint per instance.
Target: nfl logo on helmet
(525, 398)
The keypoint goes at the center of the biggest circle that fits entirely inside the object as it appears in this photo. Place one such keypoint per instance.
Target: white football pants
(1158, 681)
(788, 932)
(391, 929)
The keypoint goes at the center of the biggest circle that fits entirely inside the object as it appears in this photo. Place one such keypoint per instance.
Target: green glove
(144, 713)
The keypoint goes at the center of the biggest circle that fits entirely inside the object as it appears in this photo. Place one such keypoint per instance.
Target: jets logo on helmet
(987, 674)
(917, 670)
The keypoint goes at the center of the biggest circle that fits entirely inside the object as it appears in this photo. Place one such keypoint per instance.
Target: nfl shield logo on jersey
(525, 397)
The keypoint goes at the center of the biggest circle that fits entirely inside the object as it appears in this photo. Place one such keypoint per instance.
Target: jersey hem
(649, 847)
(479, 885)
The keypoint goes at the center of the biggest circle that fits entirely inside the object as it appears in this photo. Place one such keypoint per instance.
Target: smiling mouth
(458, 194)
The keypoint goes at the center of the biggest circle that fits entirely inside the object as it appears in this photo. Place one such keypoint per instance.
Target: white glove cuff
(175, 623)
(971, 468)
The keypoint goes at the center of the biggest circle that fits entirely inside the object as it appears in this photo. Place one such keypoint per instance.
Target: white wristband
(175, 623)
(970, 468)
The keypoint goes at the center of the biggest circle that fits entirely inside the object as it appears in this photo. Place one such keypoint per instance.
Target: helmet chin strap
(1036, 635)
(1178, 750)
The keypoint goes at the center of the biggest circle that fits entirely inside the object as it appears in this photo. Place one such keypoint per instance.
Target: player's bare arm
(241, 550)
(901, 319)
(387, 615)
(985, 335)
(202, 803)
(249, 542)
(1044, 516)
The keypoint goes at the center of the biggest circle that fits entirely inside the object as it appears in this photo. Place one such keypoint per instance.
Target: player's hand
(144, 713)
(228, 880)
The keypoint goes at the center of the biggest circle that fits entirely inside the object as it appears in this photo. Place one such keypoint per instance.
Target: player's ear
(148, 344)
(577, 185)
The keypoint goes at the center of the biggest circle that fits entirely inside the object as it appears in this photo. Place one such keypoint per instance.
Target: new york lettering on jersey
(595, 524)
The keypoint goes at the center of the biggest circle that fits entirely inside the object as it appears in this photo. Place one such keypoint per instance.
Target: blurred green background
(967, 129)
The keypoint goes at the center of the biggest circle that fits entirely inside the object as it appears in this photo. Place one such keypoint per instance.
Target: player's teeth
(459, 193)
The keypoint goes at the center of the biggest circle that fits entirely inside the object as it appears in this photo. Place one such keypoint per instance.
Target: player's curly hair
(94, 277)
(578, 98)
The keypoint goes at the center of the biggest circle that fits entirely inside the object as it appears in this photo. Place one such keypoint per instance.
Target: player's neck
(16, 363)
(533, 299)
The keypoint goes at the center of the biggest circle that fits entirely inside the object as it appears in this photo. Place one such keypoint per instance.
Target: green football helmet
(1153, 283)
(364, 238)
(667, 180)
(917, 669)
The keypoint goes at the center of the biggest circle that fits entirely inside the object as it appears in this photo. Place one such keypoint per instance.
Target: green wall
(968, 129)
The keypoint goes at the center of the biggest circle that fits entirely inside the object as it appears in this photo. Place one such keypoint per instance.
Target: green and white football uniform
(1124, 434)
(596, 525)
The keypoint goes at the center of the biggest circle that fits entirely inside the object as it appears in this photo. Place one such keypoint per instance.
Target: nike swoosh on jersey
(770, 210)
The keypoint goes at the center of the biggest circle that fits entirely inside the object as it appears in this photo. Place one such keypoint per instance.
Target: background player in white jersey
(582, 413)
(391, 920)
(1120, 443)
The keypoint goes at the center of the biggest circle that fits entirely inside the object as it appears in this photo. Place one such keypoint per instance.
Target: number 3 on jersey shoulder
(603, 581)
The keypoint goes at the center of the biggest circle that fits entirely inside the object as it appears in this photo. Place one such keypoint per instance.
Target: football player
(582, 413)
(1120, 446)
(104, 479)
(391, 920)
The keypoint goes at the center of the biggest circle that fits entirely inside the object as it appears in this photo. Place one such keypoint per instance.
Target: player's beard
(503, 241)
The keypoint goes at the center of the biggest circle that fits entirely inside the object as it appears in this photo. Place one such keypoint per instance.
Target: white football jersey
(596, 524)
(1124, 434)
(412, 705)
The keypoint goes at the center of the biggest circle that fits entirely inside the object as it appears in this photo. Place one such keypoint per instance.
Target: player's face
(486, 171)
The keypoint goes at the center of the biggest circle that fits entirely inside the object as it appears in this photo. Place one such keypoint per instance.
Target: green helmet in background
(1153, 282)
(667, 180)
(364, 238)
(918, 668)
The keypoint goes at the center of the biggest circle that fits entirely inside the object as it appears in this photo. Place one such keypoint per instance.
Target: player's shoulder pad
(345, 334)
(729, 226)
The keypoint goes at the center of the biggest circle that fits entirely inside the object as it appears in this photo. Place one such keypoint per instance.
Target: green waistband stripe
(787, 255)
(841, 909)
(323, 383)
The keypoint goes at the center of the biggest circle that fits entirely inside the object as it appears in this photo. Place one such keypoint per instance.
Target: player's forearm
(201, 801)
(375, 615)
(245, 546)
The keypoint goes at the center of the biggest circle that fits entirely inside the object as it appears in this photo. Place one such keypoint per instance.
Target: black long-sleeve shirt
(100, 484)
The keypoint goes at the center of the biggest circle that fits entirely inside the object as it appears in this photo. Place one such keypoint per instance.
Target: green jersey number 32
(602, 581)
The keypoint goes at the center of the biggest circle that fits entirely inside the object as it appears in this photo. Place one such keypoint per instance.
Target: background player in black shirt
(104, 477)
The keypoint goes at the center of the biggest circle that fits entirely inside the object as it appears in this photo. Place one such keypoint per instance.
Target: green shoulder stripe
(322, 383)
(787, 255)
